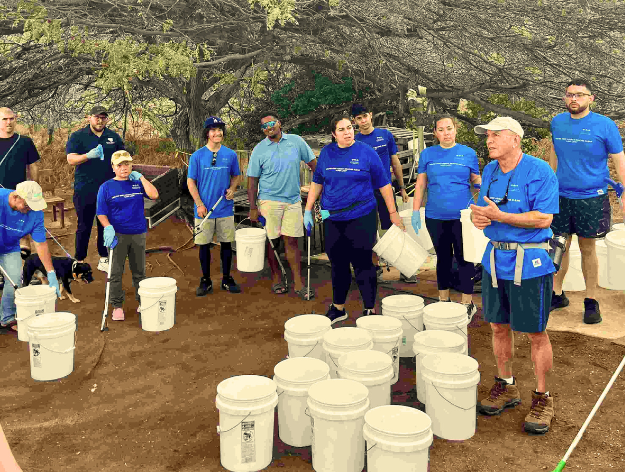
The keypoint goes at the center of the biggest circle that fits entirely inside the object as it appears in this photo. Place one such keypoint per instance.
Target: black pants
(85, 204)
(352, 242)
(447, 239)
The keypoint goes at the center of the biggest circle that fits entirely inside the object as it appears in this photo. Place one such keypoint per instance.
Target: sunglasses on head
(214, 159)
(269, 124)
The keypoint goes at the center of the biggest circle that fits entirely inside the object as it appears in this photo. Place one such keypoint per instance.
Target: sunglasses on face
(214, 159)
(269, 124)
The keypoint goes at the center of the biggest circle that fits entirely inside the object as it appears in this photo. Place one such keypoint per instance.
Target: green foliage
(277, 10)
(167, 146)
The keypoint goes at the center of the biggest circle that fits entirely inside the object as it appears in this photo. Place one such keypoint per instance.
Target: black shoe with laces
(368, 312)
(335, 315)
(558, 301)
(592, 315)
(206, 287)
(228, 283)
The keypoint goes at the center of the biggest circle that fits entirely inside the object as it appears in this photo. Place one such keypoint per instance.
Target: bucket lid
(365, 361)
(157, 282)
(246, 387)
(301, 370)
(245, 232)
(438, 338)
(450, 363)
(35, 291)
(402, 301)
(52, 320)
(338, 392)
(347, 337)
(465, 214)
(379, 323)
(449, 312)
(307, 324)
(616, 238)
(398, 420)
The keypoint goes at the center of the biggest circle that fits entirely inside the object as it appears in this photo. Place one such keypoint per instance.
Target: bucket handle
(417, 329)
(372, 447)
(472, 197)
(396, 345)
(311, 349)
(37, 341)
(444, 398)
(219, 431)
(237, 226)
(306, 411)
(153, 304)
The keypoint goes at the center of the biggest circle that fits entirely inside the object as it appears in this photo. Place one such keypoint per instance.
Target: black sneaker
(368, 312)
(558, 301)
(471, 310)
(592, 315)
(335, 315)
(228, 283)
(206, 287)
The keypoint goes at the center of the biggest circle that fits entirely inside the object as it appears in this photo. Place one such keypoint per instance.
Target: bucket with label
(158, 303)
(423, 237)
(398, 439)
(52, 340)
(304, 334)
(473, 240)
(451, 383)
(574, 278)
(250, 249)
(337, 408)
(337, 342)
(433, 342)
(615, 241)
(246, 419)
(371, 368)
(387, 335)
(448, 316)
(401, 251)
(31, 301)
(294, 377)
(409, 310)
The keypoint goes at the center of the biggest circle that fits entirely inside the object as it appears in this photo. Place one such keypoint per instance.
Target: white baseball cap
(32, 193)
(120, 156)
(499, 124)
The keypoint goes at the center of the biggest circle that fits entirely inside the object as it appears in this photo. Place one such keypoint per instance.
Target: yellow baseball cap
(120, 156)
(32, 193)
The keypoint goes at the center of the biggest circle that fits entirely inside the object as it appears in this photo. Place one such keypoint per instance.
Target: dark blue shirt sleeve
(102, 206)
(39, 231)
(318, 176)
(379, 177)
(73, 145)
(33, 155)
(392, 146)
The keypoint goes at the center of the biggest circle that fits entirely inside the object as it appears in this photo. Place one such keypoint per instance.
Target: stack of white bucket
(611, 255)
(409, 310)
(574, 278)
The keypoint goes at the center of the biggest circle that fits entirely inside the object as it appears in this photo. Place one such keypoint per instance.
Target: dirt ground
(144, 401)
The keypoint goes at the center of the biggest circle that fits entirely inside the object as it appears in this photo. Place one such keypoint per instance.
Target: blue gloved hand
(96, 153)
(415, 220)
(54, 282)
(109, 235)
(309, 222)
(324, 214)
(618, 187)
(134, 175)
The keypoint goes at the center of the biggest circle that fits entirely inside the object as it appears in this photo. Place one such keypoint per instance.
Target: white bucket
(373, 369)
(448, 316)
(387, 333)
(32, 301)
(337, 408)
(602, 257)
(401, 251)
(473, 240)
(451, 383)
(304, 334)
(250, 249)
(398, 439)
(294, 377)
(401, 206)
(409, 310)
(423, 237)
(615, 240)
(618, 226)
(158, 303)
(52, 340)
(337, 342)
(574, 278)
(433, 342)
(246, 418)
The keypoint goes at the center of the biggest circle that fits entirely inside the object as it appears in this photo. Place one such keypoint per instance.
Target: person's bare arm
(44, 254)
(252, 193)
(619, 165)
(530, 219)
(553, 158)
(7, 460)
(104, 221)
(149, 188)
(33, 171)
(399, 176)
(195, 194)
(419, 191)
(389, 199)
(74, 159)
(313, 194)
(312, 165)
(234, 183)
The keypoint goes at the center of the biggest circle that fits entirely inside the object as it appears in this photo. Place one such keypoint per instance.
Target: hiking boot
(471, 310)
(368, 312)
(408, 280)
(541, 413)
(558, 301)
(118, 314)
(335, 315)
(502, 395)
(228, 283)
(206, 287)
(592, 314)
(103, 264)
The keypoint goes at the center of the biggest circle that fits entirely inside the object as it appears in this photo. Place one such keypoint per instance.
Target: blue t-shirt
(121, 201)
(15, 225)
(449, 176)
(533, 186)
(213, 181)
(383, 142)
(349, 175)
(582, 147)
(92, 173)
(277, 167)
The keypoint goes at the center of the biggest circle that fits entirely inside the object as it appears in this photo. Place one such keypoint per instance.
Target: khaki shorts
(282, 218)
(223, 227)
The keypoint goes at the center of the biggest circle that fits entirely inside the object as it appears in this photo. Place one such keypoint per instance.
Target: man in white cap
(21, 213)
(517, 201)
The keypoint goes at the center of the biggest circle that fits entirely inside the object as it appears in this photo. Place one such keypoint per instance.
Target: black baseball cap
(358, 109)
(99, 110)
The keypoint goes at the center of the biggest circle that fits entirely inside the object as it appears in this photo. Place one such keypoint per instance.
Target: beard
(580, 109)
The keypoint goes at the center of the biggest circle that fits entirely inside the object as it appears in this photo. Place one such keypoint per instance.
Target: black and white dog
(67, 270)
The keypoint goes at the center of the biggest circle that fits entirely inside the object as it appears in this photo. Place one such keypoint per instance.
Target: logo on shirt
(536, 262)
(136, 186)
(110, 141)
(379, 138)
(354, 161)
(600, 191)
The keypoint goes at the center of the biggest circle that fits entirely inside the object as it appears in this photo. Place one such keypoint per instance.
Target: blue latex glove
(324, 214)
(262, 220)
(134, 175)
(618, 187)
(54, 282)
(415, 220)
(109, 235)
(309, 222)
(96, 153)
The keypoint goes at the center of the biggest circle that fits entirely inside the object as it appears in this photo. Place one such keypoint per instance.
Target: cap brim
(37, 205)
(123, 160)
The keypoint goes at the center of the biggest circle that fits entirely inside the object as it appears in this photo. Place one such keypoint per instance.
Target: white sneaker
(103, 264)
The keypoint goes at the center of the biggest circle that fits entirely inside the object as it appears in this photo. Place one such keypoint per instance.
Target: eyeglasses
(577, 95)
(269, 124)
(214, 159)
(504, 200)
(101, 118)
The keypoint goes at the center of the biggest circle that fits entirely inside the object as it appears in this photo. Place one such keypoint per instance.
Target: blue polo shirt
(383, 142)
(582, 147)
(349, 175)
(92, 173)
(121, 201)
(15, 225)
(213, 181)
(532, 186)
(277, 167)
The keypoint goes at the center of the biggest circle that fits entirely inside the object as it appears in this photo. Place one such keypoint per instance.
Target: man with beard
(582, 143)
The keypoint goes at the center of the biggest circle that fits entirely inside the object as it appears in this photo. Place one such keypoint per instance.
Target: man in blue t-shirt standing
(213, 173)
(273, 187)
(582, 143)
(517, 201)
(90, 150)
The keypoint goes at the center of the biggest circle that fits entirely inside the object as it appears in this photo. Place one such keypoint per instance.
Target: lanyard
(10, 149)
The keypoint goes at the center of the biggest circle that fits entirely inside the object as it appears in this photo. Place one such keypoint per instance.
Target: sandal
(305, 294)
(279, 288)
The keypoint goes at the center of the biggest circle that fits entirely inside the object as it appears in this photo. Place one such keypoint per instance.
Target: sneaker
(558, 301)
(502, 395)
(408, 280)
(228, 283)
(380, 274)
(592, 314)
(103, 264)
(118, 314)
(471, 310)
(206, 287)
(368, 312)
(335, 315)
(541, 413)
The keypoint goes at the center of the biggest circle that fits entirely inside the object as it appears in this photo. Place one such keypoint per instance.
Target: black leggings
(447, 239)
(352, 242)
(226, 259)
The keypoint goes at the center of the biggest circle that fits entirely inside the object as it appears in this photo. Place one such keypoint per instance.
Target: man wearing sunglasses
(582, 143)
(518, 199)
(273, 187)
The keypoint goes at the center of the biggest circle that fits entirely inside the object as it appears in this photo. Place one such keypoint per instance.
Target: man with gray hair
(517, 201)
